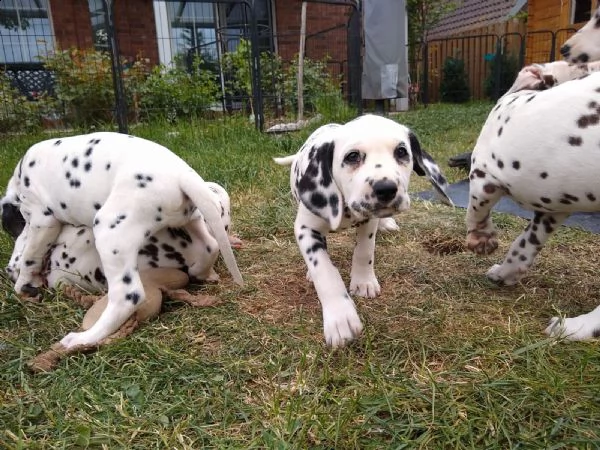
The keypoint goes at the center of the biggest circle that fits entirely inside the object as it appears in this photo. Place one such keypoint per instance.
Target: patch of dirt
(442, 244)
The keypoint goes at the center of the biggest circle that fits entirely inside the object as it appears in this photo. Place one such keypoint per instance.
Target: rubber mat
(459, 193)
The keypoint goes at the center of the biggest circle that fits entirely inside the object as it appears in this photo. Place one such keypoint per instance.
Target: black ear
(317, 188)
(424, 165)
(13, 221)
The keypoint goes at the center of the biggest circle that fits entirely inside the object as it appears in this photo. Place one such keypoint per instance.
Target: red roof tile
(473, 14)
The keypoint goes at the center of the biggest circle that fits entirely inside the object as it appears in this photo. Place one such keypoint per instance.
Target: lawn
(447, 359)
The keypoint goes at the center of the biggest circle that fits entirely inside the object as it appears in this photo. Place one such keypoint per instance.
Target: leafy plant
(84, 83)
(496, 84)
(17, 113)
(178, 91)
(319, 87)
(454, 87)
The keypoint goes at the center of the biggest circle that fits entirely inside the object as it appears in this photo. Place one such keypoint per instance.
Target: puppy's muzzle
(385, 190)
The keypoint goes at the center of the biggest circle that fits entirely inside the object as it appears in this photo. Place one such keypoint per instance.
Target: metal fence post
(259, 118)
(117, 72)
(354, 58)
(498, 69)
(425, 86)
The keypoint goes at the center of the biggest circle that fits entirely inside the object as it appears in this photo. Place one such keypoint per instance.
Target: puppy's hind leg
(41, 233)
(484, 193)
(525, 248)
(118, 249)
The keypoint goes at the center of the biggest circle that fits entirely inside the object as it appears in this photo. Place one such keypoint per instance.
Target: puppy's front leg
(340, 319)
(41, 233)
(363, 280)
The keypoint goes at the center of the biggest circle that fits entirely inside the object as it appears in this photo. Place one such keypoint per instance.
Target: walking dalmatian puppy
(74, 260)
(352, 175)
(539, 146)
(123, 187)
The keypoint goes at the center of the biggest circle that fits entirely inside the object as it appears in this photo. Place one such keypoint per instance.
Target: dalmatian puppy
(539, 77)
(352, 175)
(584, 45)
(540, 148)
(123, 187)
(74, 260)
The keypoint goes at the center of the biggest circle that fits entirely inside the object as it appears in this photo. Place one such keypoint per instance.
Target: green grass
(447, 359)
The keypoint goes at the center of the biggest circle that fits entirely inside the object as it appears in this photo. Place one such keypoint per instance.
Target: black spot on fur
(575, 141)
(134, 297)
(544, 175)
(516, 165)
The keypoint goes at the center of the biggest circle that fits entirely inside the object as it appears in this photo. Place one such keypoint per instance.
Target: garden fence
(238, 67)
(479, 66)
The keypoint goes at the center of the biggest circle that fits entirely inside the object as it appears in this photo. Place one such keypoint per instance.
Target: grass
(447, 359)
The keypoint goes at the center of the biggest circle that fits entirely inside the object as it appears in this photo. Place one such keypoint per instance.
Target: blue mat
(459, 193)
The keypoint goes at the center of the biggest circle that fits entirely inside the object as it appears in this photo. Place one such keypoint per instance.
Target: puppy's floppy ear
(424, 165)
(316, 187)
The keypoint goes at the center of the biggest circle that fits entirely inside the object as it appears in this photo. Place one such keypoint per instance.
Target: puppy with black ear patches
(355, 174)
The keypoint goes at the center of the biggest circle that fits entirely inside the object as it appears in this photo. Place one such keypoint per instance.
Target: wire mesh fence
(458, 69)
(203, 59)
(96, 63)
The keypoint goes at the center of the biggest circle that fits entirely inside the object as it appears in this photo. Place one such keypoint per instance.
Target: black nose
(565, 50)
(385, 190)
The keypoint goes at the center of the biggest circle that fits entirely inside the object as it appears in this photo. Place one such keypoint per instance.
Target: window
(25, 31)
(98, 18)
(206, 28)
(582, 11)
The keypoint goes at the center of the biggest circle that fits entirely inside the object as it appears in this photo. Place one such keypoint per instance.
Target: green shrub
(454, 87)
(84, 84)
(177, 91)
(17, 113)
(320, 88)
(279, 86)
(508, 66)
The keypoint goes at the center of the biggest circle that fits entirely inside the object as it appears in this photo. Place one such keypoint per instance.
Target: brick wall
(71, 22)
(136, 29)
(134, 20)
(319, 17)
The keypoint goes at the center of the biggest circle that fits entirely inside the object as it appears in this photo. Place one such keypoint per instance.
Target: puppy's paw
(387, 225)
(367, 287)
(78, 339)
(578, 328)
(505, 274)
(482, 242)
(341, 323)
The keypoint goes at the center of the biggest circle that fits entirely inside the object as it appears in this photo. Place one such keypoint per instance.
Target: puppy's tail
(199, 192)
(285, 160)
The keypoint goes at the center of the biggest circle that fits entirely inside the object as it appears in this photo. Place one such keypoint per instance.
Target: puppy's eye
(400, 152)
(353, 157)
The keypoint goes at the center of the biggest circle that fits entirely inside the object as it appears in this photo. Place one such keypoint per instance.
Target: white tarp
(385, 66)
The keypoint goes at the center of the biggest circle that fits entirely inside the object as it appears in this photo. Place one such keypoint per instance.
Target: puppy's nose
(385, 190)
(565, 50)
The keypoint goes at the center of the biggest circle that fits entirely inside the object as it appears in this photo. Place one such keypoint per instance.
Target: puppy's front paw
(367, 287)
(482, 242)
(77, 339)
(578, 328)
(388, 225)
(341, 323)
(505, 274)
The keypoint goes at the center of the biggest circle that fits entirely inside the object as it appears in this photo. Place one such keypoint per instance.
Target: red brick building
(159, 29)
